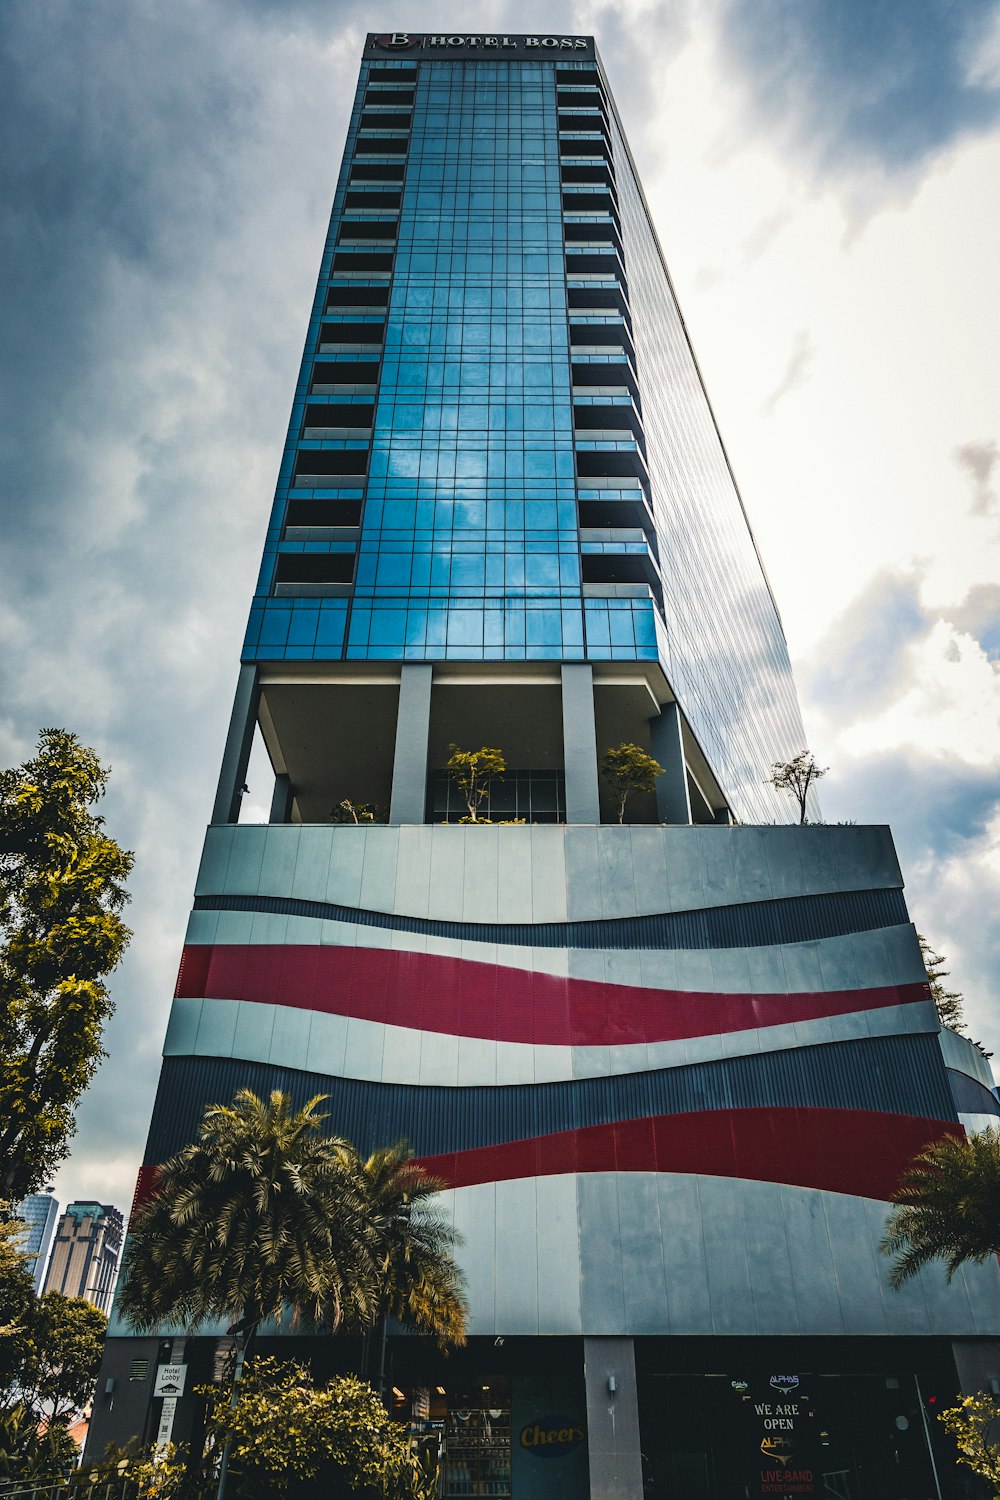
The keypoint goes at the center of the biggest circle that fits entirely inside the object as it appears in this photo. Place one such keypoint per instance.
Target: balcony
(326, 515)
(608, 421)
(327, 468)
(344, 376)
(627, 514)
(358, 299)
(382, 118)
(393, 96)
(375, 173)
(360, 198)
(347, 262)
(576, 174)
(315, 574)
(343, 337)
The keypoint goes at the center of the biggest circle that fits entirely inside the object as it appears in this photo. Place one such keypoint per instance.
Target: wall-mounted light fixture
(612, 1384)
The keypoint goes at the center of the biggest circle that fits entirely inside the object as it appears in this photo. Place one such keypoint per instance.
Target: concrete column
(673, 799)
(978, 1364)
(281, 801)
(612, 1419)
(408, 802)
(583, 804)
(236, 756)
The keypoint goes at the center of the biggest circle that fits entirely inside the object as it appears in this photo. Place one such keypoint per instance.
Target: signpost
(169, 1384)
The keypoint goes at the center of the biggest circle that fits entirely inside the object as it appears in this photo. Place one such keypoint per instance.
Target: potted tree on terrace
(473, 772)
(628, 769)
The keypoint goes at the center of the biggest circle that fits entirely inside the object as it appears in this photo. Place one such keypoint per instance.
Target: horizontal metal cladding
(895, 1074)
(972, 1097)
(790, 919)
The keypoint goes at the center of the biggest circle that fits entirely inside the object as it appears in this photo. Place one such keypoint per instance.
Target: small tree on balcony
(796, 777)
(627, 769)
(349, 811)
(473, 772)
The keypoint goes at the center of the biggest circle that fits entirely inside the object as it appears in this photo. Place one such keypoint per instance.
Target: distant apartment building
(38, 1214)
(85, 1253)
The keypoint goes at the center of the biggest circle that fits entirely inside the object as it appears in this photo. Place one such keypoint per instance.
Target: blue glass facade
(500, 448)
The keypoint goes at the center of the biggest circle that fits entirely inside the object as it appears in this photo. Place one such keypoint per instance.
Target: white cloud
(951, 707)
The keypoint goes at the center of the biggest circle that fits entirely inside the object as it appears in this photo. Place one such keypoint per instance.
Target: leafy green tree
(17, 1294)
(62, 888)
(796, 777)
(947, 1207)
(948, 1003)
(285, 1430)
(975, 1425)
(27, 1452)
(160, 1471)
(473, 772)
(61, 1356)
(628, 769)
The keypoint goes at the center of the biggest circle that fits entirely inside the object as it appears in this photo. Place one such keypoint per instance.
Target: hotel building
(671, 1069)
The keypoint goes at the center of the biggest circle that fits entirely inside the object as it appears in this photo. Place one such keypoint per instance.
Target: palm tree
(264, 1215)
(420, 1284)
(947, 1207)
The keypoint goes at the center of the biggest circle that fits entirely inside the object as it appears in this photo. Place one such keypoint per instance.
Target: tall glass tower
(671, 1069)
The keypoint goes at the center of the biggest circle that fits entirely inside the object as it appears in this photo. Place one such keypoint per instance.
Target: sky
(824, 178)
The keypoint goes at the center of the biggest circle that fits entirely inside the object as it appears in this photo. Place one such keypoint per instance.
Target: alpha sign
(409, 41)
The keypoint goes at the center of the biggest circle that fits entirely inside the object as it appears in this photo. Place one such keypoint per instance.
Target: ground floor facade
(630, 1419)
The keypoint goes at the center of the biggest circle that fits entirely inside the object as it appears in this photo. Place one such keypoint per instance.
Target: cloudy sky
(824, 176)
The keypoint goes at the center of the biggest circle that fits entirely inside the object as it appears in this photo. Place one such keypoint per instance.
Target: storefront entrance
(785, 1429)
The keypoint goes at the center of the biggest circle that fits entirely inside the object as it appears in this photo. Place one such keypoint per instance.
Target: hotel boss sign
(530, 46)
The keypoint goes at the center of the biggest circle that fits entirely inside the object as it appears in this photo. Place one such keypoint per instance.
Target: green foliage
(264, 1214)
(796, 777)
(17, 1295)
(285, 1430)
(28, 1453)
(163, 1473)
(421, 1284)
(62, 887)
(358, 812)
(627, 769)
(947, 1207)
(975, 1425)
(152, 1473)
(61, 1346)
(948, 1003)
(260, 1215)
(50, 1353)
(473, 772)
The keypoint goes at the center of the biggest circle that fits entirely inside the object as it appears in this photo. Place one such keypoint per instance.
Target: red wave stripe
(863, 1153)
(462, 997)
